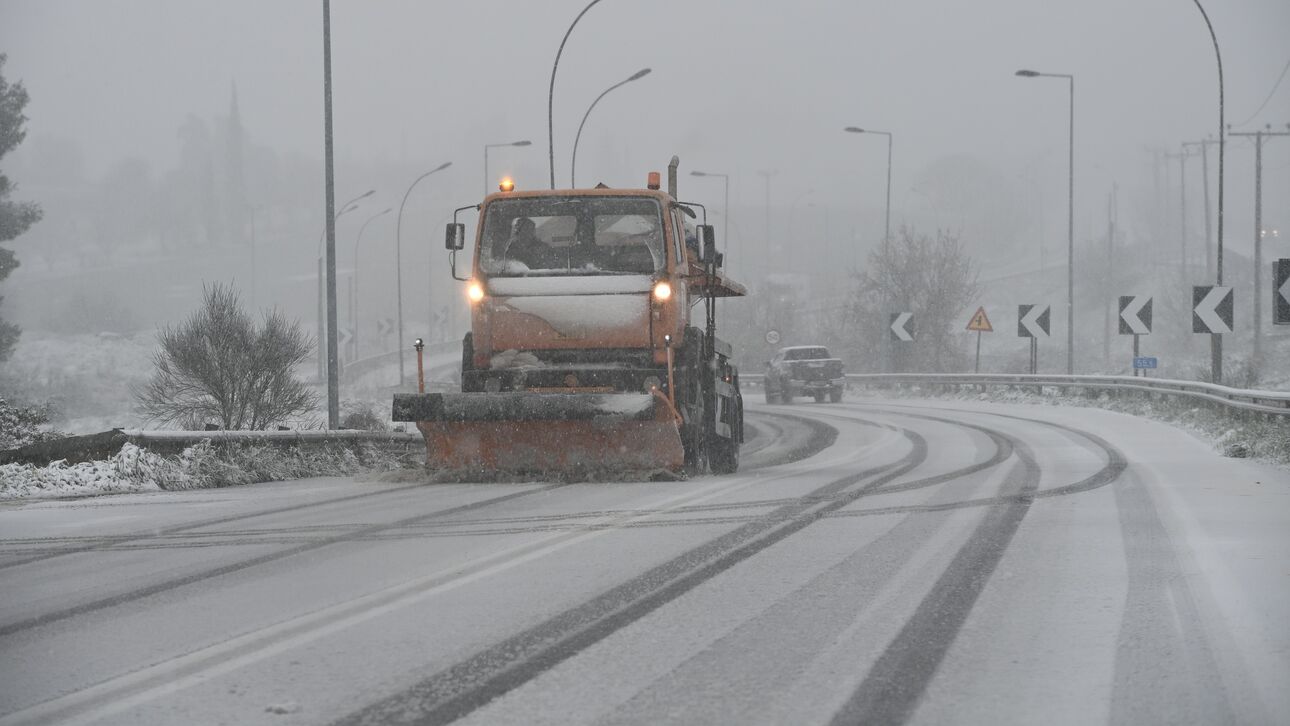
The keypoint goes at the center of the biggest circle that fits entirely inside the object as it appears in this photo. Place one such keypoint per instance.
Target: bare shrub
(362, 416)
(932, 277)
(218, 366)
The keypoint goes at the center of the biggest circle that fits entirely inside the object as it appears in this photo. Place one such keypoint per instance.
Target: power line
(1272, 93)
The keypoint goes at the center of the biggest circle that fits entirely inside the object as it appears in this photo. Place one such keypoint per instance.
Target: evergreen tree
(15, 217)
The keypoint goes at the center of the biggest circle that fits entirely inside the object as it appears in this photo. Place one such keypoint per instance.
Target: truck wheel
(819, 398)
(771, 397)
(723, 455)
(835, 396)
(468, 362)
(785, 397)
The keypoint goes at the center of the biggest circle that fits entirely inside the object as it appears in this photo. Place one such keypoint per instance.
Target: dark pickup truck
(804, 370)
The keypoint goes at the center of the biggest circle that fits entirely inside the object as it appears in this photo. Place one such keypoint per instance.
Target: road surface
(926, 562)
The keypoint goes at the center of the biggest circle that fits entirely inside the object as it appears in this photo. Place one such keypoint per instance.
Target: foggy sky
(736, 87)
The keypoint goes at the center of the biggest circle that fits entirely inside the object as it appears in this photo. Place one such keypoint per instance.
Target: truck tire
(819, 397)
(723, 455)
(835, 396)
(468, 362)
(785, 397)
(689, 368)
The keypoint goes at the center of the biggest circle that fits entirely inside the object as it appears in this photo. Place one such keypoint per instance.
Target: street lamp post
(573, 164)
(725, 180)
(487, 182)
(324, 361)
(1070, 219)
(357, 242)
(1216, 340)
(766, 175)
(550, 98)
(333, 379)
(398, 259)
(886, 234)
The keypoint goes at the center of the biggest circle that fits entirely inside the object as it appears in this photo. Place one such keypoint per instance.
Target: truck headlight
(475, 291)
(662, 290)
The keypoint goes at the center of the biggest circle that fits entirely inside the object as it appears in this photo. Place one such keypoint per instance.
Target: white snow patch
(586, 315)
(571, 285)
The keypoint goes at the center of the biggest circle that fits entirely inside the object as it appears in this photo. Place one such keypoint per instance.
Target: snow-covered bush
(201, 466)
(22, 425)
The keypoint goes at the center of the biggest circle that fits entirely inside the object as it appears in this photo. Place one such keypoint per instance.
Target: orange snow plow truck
(582, 356)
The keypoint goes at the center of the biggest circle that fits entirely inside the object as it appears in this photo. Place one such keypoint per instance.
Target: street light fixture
(573, 165)
(550, 97)
(1070, 219)
(487, 181)
(357, 243)
(398, 259)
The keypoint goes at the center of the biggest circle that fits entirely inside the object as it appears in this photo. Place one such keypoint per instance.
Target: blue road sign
(1145, 362)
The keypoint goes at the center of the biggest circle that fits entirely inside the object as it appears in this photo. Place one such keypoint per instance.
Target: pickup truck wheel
(785, 397)
(835, 396)
(771, 397)
(819, 398)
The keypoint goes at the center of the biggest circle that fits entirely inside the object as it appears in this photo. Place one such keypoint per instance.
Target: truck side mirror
(708, 240)
(455, 239)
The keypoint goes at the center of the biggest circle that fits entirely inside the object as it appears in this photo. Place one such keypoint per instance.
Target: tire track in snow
(125, 691)
(460, 689)
(896, 682)
(99, 543)
(166, 585)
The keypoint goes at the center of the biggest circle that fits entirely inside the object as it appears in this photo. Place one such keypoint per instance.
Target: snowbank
(203, 466)
(1238, 435)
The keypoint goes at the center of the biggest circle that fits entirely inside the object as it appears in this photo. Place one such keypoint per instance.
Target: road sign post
(1212, 308)
(1281, 292)
(1135, 320)
(981, 324)
(1032, 322)
(900, 330)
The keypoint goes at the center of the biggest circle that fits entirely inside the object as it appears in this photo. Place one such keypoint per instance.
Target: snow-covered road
(937, 563)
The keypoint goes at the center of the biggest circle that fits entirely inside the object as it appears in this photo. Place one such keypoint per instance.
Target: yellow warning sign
(980, 323)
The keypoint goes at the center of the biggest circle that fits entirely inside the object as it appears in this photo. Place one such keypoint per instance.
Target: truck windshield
(572, 236)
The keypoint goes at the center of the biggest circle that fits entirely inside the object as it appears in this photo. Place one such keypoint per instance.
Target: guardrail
(1275, 403)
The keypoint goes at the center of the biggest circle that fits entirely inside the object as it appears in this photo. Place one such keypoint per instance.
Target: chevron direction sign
(1281, 292)
(1032, 321)
(902, 327)
(1135, 315)
(1211, 309)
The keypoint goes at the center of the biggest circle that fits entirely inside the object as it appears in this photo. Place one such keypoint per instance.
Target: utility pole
(1209, 227)
(1107, 318)
(1182, 215)
(1256, 359)
(333, 367)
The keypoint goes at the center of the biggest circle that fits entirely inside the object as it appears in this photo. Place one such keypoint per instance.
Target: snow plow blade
(544, 433)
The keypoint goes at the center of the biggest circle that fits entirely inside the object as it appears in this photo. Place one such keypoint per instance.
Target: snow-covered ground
(942, 561)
